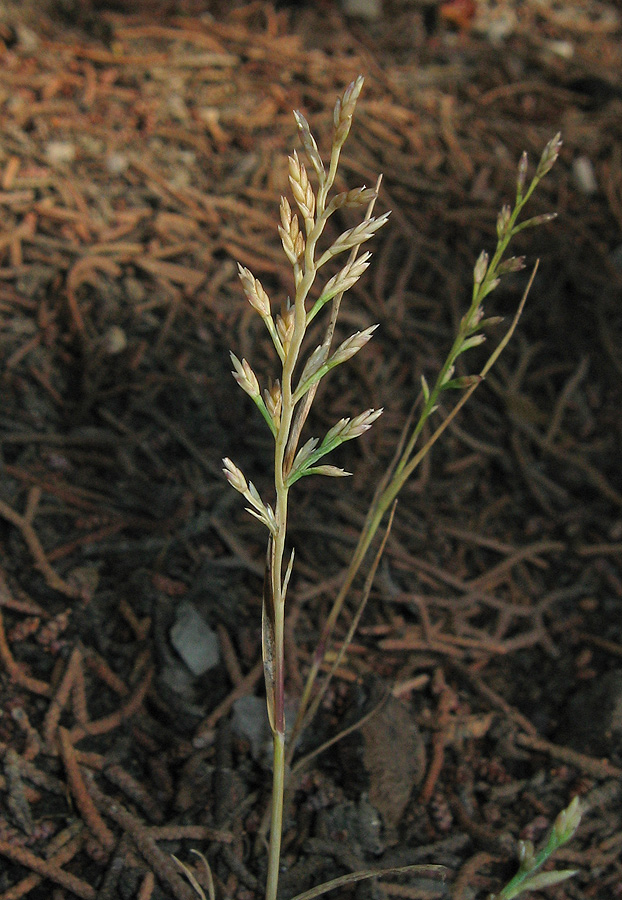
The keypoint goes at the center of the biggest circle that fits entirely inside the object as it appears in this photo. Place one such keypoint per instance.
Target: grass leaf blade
(364, 874)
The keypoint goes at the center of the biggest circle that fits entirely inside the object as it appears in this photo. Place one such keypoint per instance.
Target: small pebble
(584, 175)
(117, 163)
(561, 48)
(60, 153)
(362, 9)
(250, 722)
(29, 41)
(113, 341)
(194, 640)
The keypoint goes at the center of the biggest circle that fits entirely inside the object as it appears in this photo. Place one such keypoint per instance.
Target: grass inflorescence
(285, 399)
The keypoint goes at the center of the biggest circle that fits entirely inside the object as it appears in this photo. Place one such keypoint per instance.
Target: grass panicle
(285, 399)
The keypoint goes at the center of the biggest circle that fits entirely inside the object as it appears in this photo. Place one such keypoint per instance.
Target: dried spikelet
(470, 320)
(290, 233)
(544, 219)
(304, 453)
(254, 291)
(301, 187)
(336, 431)
(260, 510)
(480, 268)
(299, 243)
(285, 211)
(351, 345)
(353, 237)
(522, 173)
(331, 471)
(503, 220)
(354, 198)
(294, 229)
(245, 376)
(512, 264)
(490, 286)
(234, 476)
(274, 401)
(308, 142)
(288, 245)
(474, 341)
(549, 155)
(346, 277)
(285, 323)
(361, 423)
(312, 364)
(344, 110)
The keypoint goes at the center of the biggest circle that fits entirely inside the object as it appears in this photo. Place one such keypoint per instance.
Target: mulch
(142, 155)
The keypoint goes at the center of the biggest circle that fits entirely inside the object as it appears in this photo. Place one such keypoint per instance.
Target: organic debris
(141, 157)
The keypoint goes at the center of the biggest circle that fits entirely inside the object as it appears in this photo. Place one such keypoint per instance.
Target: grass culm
(285, 401)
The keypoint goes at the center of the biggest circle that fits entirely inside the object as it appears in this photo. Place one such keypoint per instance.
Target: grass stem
(285, 405)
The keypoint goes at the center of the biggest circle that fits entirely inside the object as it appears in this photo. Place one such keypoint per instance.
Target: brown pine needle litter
(142, 156)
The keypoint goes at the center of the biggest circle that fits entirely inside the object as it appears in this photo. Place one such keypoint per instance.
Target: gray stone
(250, 722)
(194, 640)
(584, 175)
(359, 822)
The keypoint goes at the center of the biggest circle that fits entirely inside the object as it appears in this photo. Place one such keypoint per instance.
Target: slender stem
(406, 466)
(284, 428)
(276, 817)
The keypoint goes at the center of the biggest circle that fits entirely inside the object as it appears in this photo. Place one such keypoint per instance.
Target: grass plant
(284, 401)
(529, 877)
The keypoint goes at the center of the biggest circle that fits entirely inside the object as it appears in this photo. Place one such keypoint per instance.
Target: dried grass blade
(353, 877)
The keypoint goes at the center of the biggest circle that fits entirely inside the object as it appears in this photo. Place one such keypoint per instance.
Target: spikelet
(254, 291)
(346, 277)
(245, 376)
(351, 345)
(308, 142)
(358, 197)
(292, 237)
(274, 401)
(354, 237)
(344, 110)
(285, 323)
(301, 187)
